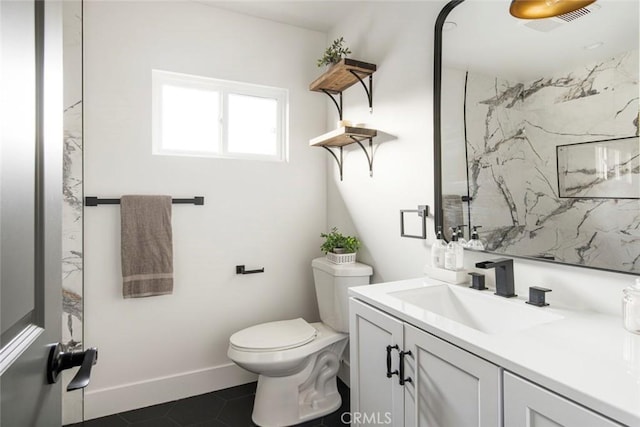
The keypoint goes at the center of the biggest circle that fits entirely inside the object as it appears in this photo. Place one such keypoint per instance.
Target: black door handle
(59, 360)
(389, 373)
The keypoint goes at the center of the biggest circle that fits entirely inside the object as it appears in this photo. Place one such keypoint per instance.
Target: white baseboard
(71, 400)
(125, 397)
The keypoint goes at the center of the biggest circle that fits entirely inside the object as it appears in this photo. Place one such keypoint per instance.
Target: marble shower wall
(513, 129)
(72, 260)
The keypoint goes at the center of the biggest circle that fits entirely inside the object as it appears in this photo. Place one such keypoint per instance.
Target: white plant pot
(341, 258)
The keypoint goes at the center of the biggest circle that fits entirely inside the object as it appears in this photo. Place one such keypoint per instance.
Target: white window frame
(159, 78)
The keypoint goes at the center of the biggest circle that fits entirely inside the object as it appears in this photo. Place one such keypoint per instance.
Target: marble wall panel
(72, 246)
(513, 129)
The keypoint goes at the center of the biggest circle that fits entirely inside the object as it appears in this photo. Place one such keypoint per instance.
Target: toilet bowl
(297, 362)
(296, 382)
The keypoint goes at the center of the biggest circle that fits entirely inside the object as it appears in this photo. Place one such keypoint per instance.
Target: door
(375, 341)
(30, 209)
(449, 386)
(529, 405)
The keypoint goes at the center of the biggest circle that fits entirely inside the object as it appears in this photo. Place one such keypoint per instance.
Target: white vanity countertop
(587, 357)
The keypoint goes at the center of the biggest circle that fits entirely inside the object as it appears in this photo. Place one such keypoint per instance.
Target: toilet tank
(332, 281)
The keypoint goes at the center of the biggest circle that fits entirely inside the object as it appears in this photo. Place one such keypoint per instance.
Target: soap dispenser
(454, 253)
(631, 307)
(437, 250)
(461, 240)
(475, 243)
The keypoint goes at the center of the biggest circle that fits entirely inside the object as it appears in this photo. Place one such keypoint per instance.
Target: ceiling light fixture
(538, 9)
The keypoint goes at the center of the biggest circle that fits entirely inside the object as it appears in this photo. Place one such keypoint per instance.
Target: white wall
(264, 214)
(398, 37)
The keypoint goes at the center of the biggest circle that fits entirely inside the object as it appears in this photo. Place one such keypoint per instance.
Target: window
(200, 116)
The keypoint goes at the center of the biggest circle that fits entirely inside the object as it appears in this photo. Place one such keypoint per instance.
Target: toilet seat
(274, 336)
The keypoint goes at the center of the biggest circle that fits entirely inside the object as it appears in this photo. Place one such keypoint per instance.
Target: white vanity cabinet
(443, 386)
(376, 398)
(449, 386)
(529, 405)
(475, 359)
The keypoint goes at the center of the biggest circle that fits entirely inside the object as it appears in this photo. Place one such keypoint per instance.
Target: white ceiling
(311, 14)
(486, 37)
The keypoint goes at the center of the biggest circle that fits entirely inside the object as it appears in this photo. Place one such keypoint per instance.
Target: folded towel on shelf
(147, 247)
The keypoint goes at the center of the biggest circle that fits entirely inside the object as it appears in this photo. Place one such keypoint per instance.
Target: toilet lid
(274, 336)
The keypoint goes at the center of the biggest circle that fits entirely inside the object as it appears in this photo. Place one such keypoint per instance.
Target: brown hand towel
(147, 248)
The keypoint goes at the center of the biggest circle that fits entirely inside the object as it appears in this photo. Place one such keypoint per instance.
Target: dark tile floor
(231, 407)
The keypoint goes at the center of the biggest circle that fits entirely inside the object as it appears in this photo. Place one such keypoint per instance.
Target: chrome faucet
(504, 275)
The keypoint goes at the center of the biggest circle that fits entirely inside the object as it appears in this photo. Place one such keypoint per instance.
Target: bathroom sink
(479, 310)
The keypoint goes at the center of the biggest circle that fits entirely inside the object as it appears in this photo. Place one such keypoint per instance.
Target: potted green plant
(334, 53)
(339, 248)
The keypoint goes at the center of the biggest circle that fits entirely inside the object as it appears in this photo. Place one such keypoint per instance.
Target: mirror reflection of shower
(539, 145)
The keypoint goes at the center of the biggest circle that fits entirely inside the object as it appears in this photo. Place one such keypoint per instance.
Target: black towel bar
(94, 201)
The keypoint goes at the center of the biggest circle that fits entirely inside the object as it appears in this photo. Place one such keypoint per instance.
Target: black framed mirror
(536, 132)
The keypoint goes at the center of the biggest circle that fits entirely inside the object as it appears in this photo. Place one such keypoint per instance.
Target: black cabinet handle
(402, 379)
(389, 373)
(60, 360)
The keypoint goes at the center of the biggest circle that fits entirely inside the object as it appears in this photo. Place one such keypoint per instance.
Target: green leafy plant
(335, 239)
(334, 53)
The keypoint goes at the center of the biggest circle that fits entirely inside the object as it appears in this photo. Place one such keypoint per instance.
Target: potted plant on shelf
(338, 248)
(334, 53)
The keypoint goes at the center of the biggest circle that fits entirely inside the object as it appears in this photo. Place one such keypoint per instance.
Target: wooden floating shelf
(340, 77)
(342, 136)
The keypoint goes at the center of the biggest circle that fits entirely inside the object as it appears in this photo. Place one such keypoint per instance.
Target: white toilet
(297, 362)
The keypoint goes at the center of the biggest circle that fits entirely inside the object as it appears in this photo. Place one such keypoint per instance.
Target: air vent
(549, 24)
(570, 16)
(582, 12)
